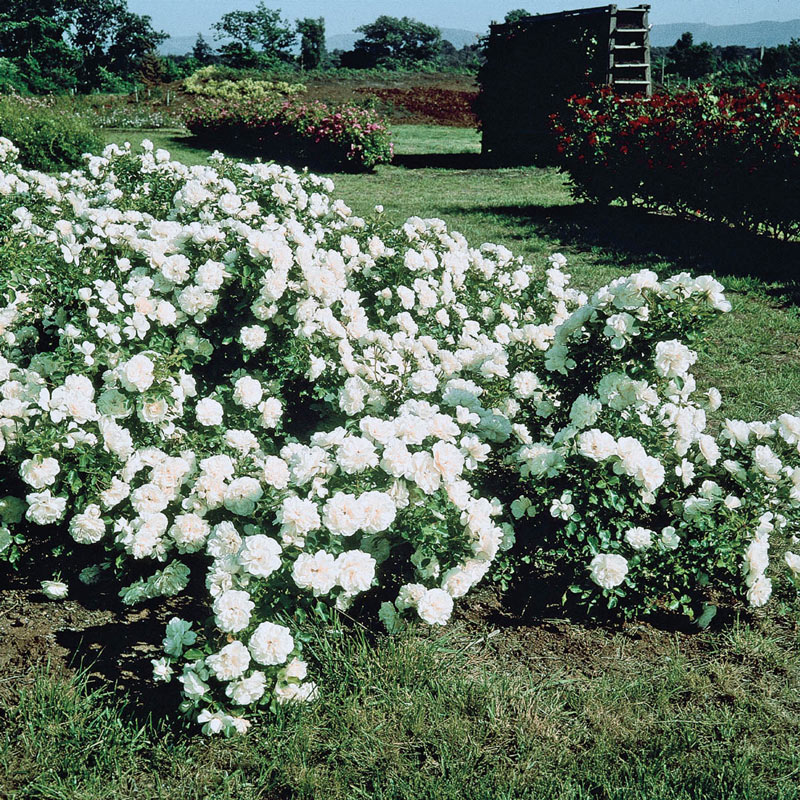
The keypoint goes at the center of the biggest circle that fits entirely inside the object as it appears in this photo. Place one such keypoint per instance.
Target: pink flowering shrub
(310, 133)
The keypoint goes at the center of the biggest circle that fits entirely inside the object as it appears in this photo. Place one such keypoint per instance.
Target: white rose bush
(226, 383)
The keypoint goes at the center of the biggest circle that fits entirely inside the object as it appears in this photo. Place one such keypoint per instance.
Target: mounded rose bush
(221, 372)
(329, 137)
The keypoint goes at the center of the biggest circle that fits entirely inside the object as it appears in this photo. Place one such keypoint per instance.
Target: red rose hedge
(731, 157)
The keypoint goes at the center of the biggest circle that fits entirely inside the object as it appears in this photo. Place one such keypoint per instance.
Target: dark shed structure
(535, 63)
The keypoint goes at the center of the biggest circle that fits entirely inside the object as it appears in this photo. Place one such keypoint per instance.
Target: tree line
(51, 46)
(688, 60)
(262, 38)
(100, 45)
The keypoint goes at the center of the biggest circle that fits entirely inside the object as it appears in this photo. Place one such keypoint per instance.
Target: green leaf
(704, 620)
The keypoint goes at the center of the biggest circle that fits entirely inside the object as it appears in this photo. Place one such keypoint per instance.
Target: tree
(202, 52)
(90, 44)
(152, 70)
(690, 60)
(782, 61)
(391, 42)
(312, 42)
(133, 38)
(258, 38)
(517, 14)
(469, 57)
(32, 39)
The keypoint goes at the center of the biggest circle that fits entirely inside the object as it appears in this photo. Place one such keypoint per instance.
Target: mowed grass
(440, 716)
(491, 707)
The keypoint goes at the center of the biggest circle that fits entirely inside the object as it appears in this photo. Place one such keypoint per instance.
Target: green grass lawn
(498, 705)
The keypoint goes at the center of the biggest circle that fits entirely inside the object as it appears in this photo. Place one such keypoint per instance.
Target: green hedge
(49, 139)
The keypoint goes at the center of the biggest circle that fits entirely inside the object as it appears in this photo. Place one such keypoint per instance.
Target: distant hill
(181, 45)
(753, 34)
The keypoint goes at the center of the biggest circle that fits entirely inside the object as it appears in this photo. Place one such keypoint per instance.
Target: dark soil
(92, 630)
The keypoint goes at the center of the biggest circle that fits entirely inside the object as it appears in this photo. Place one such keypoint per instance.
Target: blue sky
(188, 17)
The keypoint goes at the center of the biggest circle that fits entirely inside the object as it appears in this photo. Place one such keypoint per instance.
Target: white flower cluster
(220, 367)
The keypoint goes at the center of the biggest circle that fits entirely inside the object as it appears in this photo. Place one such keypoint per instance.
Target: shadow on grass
(455, 161)
(119, 654)
(247, 151)
(635, 237)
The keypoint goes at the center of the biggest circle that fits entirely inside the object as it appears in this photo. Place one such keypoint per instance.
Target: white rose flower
(296, 693)
(448, 459)
(673, 359)
(271, 412)
(759, 593)
(525, 384)
(355, 571)
(342, 515)
(639, 538)
(44, 508)
(230, 663)
(378, 511)
(317, 572)
(789, 428)
(260, 555)
(190, 532)
(356, 454)
(608, 570)
(409, 595)
(162, 670)
(247, 392)
(767, 463)
(423, 382)
(597, 445)
(193, 685)
(209, 412)
(39, 473)
(242, 494)
(253, 337)
(137, 373)
(149, 499)
(276, 472)
(54, 590)
(88, 527)
(435, 607)
(115, 493)
(352, 396)
(247, 690)
(232, 610)
(297, 517)
(271, 644)
(793, 562)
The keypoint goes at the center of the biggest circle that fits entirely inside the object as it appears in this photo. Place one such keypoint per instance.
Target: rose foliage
(732, 156)
(333, 138)
(224, 382)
